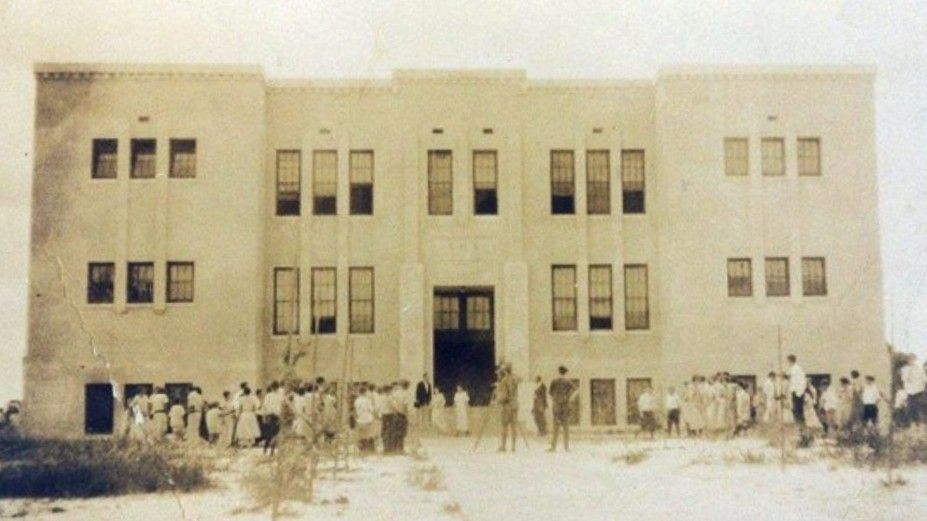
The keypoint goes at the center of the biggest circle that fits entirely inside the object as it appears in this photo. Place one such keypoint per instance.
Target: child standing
(645, 406)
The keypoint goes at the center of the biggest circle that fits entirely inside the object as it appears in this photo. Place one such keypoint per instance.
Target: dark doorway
(98, 409)
(464, 342)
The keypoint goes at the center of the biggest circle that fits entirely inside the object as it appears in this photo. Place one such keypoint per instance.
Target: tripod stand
(493, 408)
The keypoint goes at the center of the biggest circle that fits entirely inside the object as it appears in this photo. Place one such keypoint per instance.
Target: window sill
(638, 332)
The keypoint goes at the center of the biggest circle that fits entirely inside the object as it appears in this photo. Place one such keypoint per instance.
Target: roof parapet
(692, 71)
(145, 70)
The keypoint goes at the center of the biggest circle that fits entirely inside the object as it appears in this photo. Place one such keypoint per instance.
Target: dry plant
(427, 477)
(286, 476)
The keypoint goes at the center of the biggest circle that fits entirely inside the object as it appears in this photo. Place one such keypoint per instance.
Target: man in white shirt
(671, 401)
(871, 396)
(645, 405)
(272, 409)
(914, 380)
(798, 384)
(364, 415)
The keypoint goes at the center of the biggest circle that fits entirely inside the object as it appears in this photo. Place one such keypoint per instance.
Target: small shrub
(427, 477)
(631, 457)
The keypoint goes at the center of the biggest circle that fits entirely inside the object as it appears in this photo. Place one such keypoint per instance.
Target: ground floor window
(602, 394)
(635, 386)
(98, 409)
(132, 390)
(323, 300)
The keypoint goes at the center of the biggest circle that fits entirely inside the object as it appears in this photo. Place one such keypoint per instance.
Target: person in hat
(561, 391)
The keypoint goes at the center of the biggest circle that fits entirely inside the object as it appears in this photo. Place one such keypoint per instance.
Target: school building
(193, 223)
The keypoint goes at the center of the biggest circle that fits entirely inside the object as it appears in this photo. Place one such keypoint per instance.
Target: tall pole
(781, 405)
(891, 404)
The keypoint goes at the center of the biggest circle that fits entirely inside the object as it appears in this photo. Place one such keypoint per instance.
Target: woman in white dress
(300, 416)
(247, 429)
(438, 404)
(461, 403)
(227, 419)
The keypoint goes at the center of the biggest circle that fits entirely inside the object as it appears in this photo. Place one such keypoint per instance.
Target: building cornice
(93, 71)
(329, 86)
(768, 72)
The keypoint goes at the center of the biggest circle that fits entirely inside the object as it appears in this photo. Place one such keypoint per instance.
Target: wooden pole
(781, 405)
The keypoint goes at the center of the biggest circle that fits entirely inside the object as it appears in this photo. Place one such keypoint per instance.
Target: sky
(609, 39)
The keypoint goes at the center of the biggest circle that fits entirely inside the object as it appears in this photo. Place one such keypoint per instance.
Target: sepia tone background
(588, 40)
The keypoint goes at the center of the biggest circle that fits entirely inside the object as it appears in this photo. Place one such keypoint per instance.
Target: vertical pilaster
(516, 317)
(411, 320)
(162, 168)
(121, 253)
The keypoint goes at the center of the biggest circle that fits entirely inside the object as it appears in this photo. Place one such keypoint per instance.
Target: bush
(86, 468)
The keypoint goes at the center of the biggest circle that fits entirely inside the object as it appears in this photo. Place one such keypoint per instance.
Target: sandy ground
(690, 479)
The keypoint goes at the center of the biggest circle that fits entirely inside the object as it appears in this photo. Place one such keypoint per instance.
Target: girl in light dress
(461, 403)
(227, 419)
(138, 417)
(247, 429)
(300, 413)
(692, 407)
(176, 416)
(438, 404)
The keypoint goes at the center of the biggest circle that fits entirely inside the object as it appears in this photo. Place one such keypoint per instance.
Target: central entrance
(464, 342)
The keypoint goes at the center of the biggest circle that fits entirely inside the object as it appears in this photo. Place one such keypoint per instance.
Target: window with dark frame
(813, 277)
(131, 390)
(324, 304)
(324, 182)
(773, 150)
(286, 301)
(809, 156)
(360, 303)
(183, 158)
(602, 401)
(360, 172)
(144, 157)
(140, 283)
(99, 409)
(598, 187)
(446, 313)
(777, 277)
(736, 157)
(562, 183)
(100, 282)
(105, 159)
(564, 297)
(739, 278)
(479, 313)
(485, 182)
(179, 281)
(600, 297)
(636, 298)
(289, 165)
(632, 181)
(440, 183)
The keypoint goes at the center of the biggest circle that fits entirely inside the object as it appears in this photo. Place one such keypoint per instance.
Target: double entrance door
(464, 342)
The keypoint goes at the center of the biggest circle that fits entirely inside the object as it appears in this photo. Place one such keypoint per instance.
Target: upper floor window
(777, 276)
(598, 187)
(180, 282)
(773, 156)
(600, 297)
(286, 301)
(288, 181)
(809, 156)
(324, 182)
(360, 303)
(324, 304)
(360, 172)
(140, 283)
(813, 277)
(485, 200)
(739, 278)
(564, 297)
(100, 277)
(440, 183)
(636, 297)
(183, 158)
(143, 158)
(632, 181)
(104, 159)
(736, 157)
(562, 182)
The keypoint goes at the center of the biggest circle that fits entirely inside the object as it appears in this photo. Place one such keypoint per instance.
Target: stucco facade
(225, 220)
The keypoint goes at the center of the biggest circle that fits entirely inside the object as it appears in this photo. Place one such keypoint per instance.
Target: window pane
(286, 301)
(564, 298)
(100, 277)
(632, 181)
(484, 182)
(600, 297)
(104, 158)
(183, 158)
(180, 282)
(773, 156)
(736, 157)
(324, 182)
(288, 182)
(809, 156)
(140, 283)
(446, 312)
(479, 313)
(360, 288)
(440, 183)
(777, 277)
(813, 276)
(361, 176)
(143, 159)
(739, 278)
(636, 301)
(598, 195)
(562, 182)
(323, 300)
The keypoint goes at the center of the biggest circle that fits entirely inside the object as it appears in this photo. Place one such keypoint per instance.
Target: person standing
(870, 397)
(423, 393)
(212, 422)
(673, 406)
(273, 410)
(159, 402)
(195, 404)
(507, 398)
(247, 429)
(176, 415)
(539, 407)
(798, 386)
(402, 398)
(830, 404)
(645, 406)
(363, 414)
(438, 404)
(856, 401)
(461, 413)
(770, 400)
(914, 381)
(561, 393)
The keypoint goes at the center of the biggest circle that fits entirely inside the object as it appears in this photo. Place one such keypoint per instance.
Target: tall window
(739, 278)
(100, 276)
(632, 181)
(324, 309)
(564, 298)
(99, 409)
(809, 156)
(140, 283)
(360, 169)
(736, 157)
(440, 183)
(143, 159)
(600, 297)
(562, 182)
(360, 291)
(813, 277)
(777, 276)
(636, 300)
(773, 156)
(104, 159)
(602, 401)
(183, 158)
(324, 182)
(598, 197)
(288, 181)
(286, 301)
(180, 282)
(485, 201)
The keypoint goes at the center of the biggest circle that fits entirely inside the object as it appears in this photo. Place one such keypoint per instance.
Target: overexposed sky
(614, 38)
